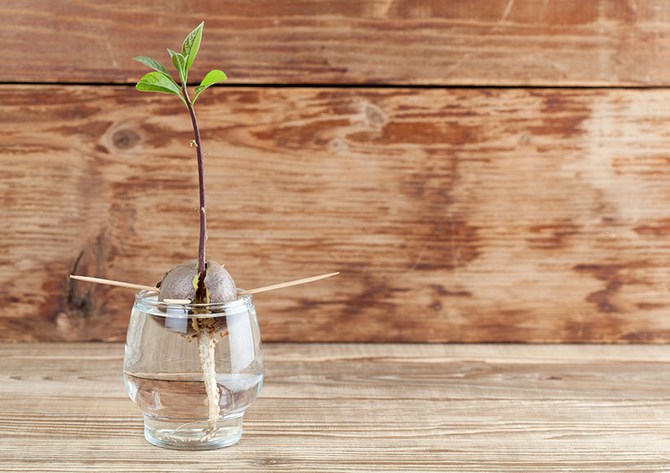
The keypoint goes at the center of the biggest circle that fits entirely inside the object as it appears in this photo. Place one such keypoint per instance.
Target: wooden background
(477, 171)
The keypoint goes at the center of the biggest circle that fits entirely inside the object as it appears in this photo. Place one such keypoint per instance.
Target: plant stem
(201, 185)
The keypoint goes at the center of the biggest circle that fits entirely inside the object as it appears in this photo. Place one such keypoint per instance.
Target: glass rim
(146, 297)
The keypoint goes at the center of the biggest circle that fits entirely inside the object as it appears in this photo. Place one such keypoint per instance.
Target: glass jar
(193, 369)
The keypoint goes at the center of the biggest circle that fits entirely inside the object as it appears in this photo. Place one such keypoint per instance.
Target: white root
(207, 345)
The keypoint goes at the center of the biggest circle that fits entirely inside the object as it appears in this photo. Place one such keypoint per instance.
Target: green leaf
(191, 45)
(179, 63)
(212, 77)
(152, 63)
(157, 82)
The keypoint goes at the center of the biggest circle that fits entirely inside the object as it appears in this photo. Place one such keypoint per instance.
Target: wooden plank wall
(477, 171)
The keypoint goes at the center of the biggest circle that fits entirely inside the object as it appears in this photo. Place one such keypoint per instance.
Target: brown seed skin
(178, 284)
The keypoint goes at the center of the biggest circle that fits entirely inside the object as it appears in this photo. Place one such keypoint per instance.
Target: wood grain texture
(452, 215)
(482, 42)
(359, 408)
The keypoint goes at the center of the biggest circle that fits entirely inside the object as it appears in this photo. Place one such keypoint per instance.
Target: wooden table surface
(359, 407)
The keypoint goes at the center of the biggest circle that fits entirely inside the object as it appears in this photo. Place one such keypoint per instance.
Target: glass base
(196, 435)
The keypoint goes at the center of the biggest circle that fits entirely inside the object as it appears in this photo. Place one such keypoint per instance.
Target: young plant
(199, 281)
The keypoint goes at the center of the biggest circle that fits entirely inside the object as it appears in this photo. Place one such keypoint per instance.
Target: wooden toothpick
(111, 282)
(288, 283)
(295, 282)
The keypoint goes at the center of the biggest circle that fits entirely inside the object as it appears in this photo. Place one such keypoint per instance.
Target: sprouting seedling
(160, 80)
(202, 281)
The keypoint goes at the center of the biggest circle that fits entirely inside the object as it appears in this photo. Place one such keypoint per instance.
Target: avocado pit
(184, 282)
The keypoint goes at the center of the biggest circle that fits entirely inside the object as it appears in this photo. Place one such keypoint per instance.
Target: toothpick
(288, 283)
(111, 282)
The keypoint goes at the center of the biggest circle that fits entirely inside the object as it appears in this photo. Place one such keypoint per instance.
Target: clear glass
(193, 369)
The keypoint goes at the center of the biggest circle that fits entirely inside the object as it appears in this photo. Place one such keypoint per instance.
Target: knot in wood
(375, 117)
(125, 139)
